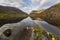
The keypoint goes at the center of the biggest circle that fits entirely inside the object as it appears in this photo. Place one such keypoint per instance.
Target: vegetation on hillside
(50, 15)
(35, 14)
(11, 18)
(40, 34)
(11, 15)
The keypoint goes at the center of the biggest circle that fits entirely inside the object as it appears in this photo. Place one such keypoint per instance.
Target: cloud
(29, 5)
(26, 9)
(36, 4)
(22, 5)
(40, 4)
(47, 3)
(33, 1)
(14, 3)
(1, 1)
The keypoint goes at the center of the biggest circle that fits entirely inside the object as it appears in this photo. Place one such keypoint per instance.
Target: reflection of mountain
(51, 15)
(34, 14)
(10, 15)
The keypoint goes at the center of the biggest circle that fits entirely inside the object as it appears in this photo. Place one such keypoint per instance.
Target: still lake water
(42, 24)
(28, 22)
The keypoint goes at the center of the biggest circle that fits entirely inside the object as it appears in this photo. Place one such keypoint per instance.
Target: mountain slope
(7, 9)
(51, 15)
(34, 14)
(11, 15)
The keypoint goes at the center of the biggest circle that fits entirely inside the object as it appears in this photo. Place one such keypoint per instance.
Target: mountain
(11, 15)
(8, 9)
(51, 15)
(34, 14)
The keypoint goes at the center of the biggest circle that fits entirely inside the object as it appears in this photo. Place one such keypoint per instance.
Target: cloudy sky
(29, 5)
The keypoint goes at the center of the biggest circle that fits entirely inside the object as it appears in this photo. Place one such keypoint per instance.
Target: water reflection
(42, 24)
(29, 22)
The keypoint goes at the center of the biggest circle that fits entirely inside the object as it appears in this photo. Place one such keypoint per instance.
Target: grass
(39, 32)
(8, 16)
(11, 18)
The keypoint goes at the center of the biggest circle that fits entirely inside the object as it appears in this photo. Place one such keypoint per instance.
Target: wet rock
(7, 32)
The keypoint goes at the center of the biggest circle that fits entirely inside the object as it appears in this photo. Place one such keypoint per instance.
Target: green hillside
(41, 34)
(11, 15)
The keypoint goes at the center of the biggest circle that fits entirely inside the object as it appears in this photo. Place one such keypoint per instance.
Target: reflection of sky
(28, 5)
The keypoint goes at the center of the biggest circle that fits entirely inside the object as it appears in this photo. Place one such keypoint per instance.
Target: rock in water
(7, 32)
(15, 31)
(11, 15)
(50, 15)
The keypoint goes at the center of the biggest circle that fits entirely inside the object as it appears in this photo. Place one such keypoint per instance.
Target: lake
(42, 24)
(28, 22)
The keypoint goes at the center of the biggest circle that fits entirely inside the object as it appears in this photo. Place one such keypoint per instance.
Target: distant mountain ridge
(34, 14)
(37, 11)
